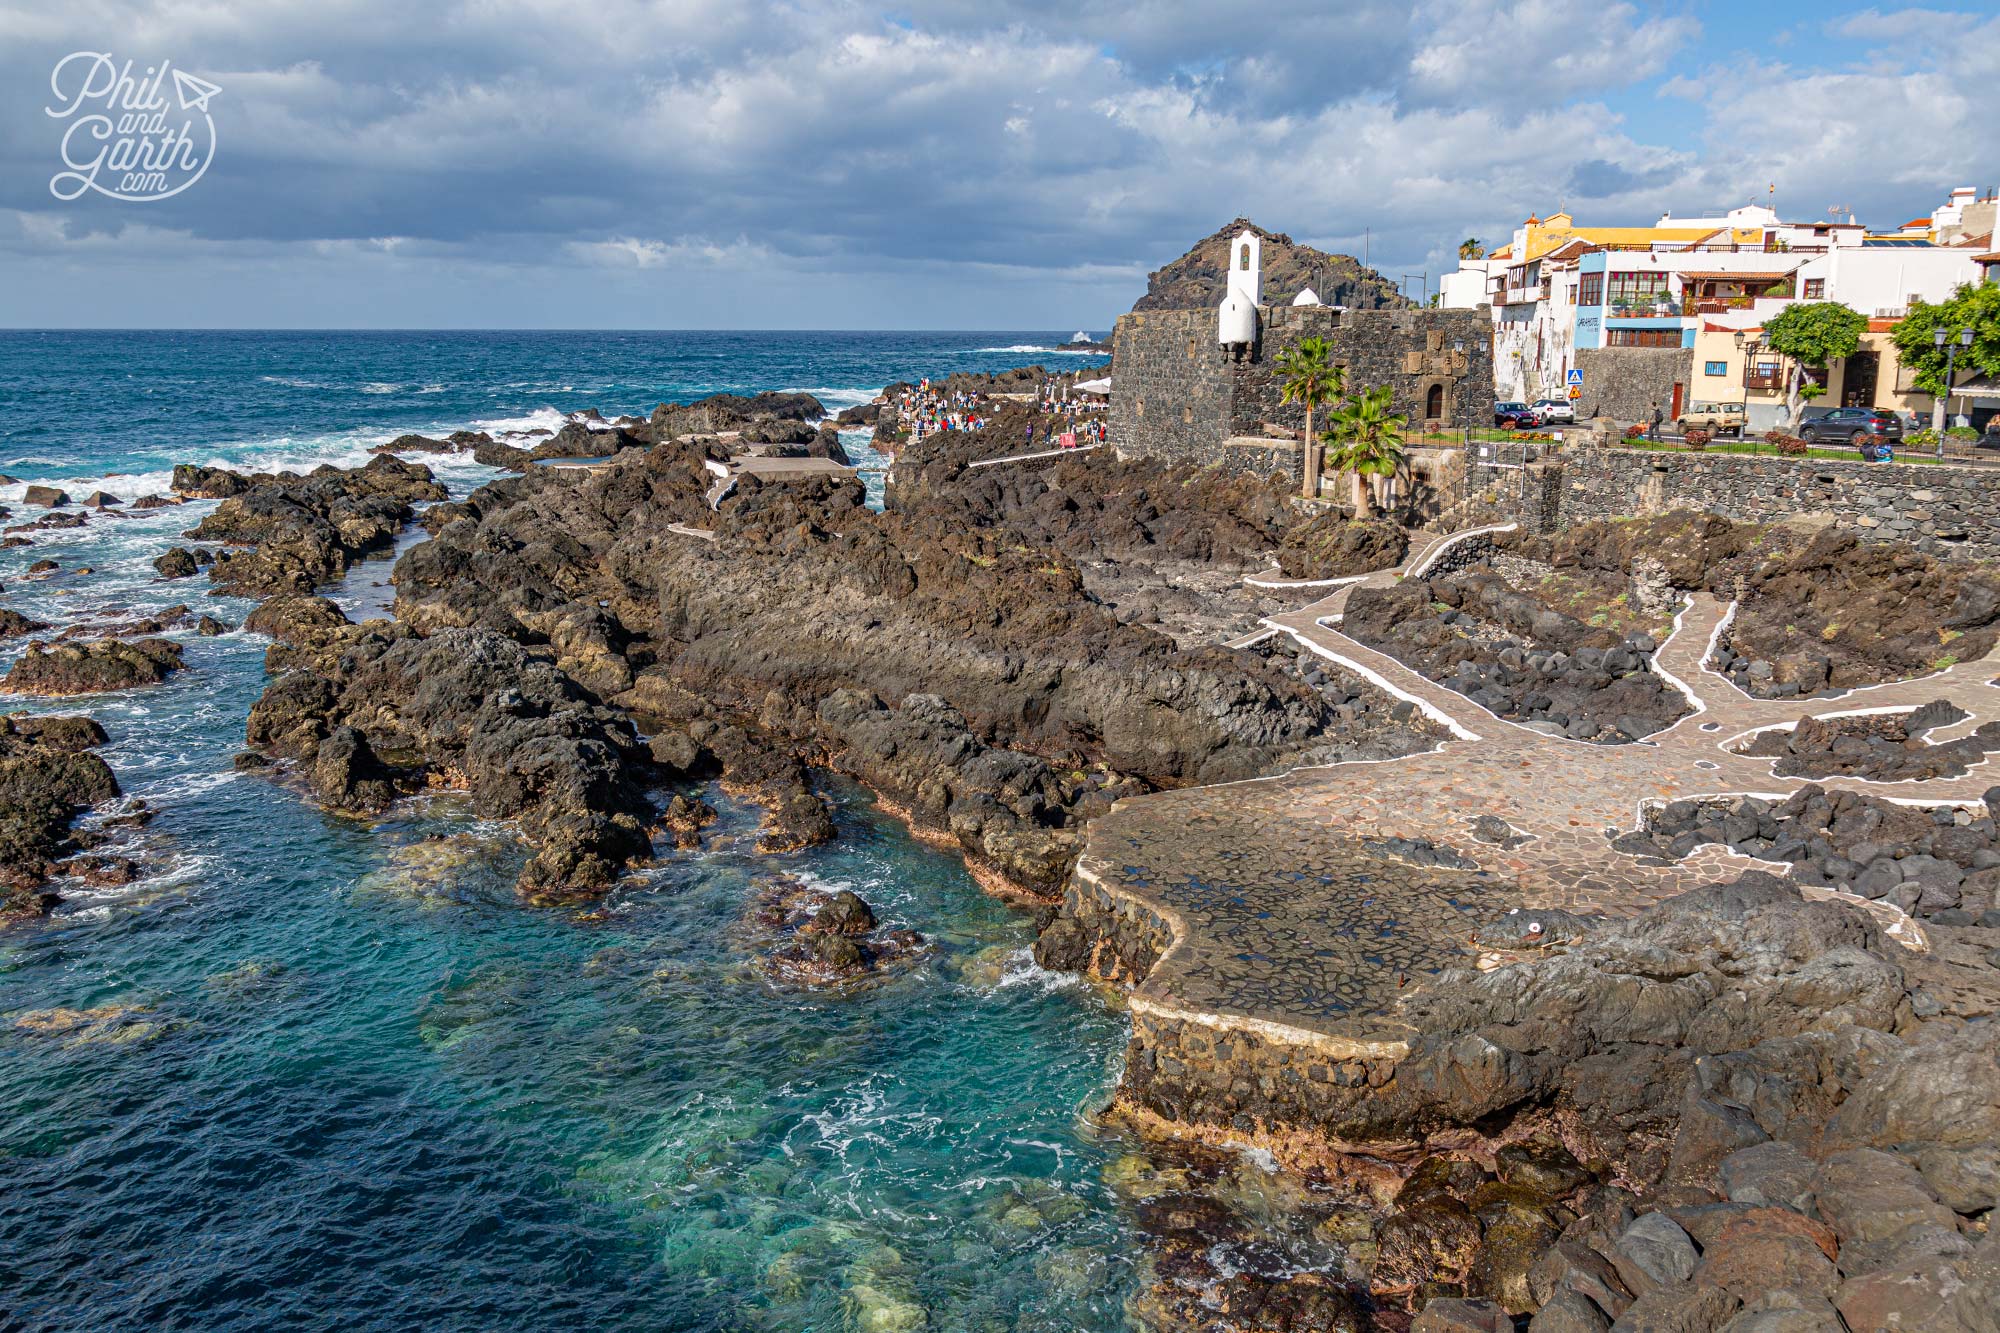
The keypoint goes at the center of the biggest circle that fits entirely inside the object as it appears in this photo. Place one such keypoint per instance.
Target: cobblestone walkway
(1306, 902)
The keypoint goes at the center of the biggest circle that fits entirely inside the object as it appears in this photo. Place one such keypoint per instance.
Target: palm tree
(1470, 248)
(1367, 440)
(1307, 376)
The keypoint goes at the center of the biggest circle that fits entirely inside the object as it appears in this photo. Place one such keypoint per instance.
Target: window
(1593, 289)
(1716, 368)
(1638, 288)
(1815, 289)
(1645, 338)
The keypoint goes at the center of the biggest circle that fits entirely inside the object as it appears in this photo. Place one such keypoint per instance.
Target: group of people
(929, 412)
(1072, 432)
(1076, 422)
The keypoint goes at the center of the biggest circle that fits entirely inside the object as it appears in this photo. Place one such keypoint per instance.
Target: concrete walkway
(1293, 910)
(767, 469)
(1043, 453)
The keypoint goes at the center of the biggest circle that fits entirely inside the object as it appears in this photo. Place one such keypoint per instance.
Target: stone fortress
(1202, 386)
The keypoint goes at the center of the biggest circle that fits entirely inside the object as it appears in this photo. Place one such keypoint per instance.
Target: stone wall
(1624, 382)
(1177, 394)
(1241, 1081)
(1170, 386)
(1409, 350)
(1938, 508)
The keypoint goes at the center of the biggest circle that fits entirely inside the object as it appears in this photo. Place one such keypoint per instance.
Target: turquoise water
(338, 1078)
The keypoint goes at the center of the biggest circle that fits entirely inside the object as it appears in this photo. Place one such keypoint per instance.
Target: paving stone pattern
(1286, 922)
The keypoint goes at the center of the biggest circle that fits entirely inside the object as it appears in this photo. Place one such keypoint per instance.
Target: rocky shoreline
(1737, 1109)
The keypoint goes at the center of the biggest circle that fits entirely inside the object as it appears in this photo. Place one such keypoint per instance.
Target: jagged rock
(808, 938)
(13, 624)
(1328, 546)
(1569, 1311)
(1764, 1251)
(306, 531)
(1867, 1195)
(46, 497)
(725, 412)
(1197, 279)
(47, 777)
(178, 563)
(1658, 1248)
(517, 734)
(1772, 1174)
(347, 775)
(91, 667)
(1453, 1314)
(1683, 1308)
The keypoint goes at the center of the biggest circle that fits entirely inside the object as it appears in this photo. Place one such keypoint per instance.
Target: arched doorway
(1434, 403)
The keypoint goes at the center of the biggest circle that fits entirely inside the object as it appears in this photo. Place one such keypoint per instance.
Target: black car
(1518, 415)
(1852, 425)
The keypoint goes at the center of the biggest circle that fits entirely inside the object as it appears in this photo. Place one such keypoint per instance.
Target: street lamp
(1748, 345)
(1950, 348)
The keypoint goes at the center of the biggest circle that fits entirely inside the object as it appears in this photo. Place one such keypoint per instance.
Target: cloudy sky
(966, 164)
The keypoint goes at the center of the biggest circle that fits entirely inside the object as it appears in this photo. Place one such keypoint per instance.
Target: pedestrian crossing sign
(1576, 378)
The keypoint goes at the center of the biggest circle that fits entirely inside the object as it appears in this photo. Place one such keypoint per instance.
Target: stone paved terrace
(1291, 918)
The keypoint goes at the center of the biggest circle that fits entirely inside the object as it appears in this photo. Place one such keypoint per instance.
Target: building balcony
(1764, 381)
(1720, 305)
(1644, 310)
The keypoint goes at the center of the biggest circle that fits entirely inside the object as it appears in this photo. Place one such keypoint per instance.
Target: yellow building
(1731, 365)
(1539, 236)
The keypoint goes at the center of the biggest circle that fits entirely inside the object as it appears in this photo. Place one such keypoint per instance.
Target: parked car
(1715, 418)
(1518, 415)
(1852, 425)
(1554, 410)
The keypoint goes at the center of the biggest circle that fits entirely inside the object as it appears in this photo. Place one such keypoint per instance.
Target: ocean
(337, 1077)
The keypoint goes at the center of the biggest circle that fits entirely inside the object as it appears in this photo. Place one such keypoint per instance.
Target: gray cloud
(817, 144)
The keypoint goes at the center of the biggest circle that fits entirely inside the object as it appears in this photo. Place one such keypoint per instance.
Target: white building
(1471, 286)
(1236, 320)
(1881, 279)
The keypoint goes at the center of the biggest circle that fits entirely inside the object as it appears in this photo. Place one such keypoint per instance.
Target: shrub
(1634, 431)
(1787, 444)
(1927, 437)
(1698, 438)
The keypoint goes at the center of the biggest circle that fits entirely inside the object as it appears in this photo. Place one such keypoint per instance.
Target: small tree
(1970, 307)
(1811, 333)
(1307, 375)
(1367, 440)
(1470, 248)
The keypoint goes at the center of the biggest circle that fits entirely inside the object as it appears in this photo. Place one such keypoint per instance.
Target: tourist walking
(1653, 431)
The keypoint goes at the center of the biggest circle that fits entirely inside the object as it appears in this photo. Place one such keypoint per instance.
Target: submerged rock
(805, 937)
(105, 1025)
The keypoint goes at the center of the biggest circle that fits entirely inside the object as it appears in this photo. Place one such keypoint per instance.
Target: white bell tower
(1237, 320)
(1246, 267)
